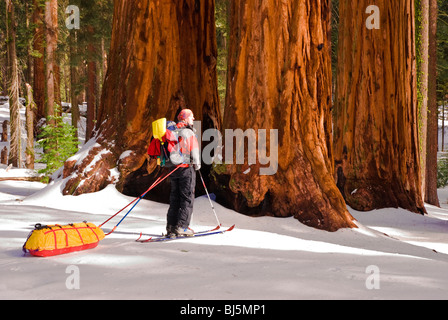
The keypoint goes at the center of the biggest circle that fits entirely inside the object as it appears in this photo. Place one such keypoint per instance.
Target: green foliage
(73, 45)
(59, 142)
(442, 173)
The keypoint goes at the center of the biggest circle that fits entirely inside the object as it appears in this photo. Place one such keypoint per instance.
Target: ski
(197, 234)
(163, 236)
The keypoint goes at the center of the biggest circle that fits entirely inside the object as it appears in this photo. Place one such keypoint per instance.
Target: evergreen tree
(58, 140)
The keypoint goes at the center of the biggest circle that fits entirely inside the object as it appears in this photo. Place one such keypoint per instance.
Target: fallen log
(32, 179)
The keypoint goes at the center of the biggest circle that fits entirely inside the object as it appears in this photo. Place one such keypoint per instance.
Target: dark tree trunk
(52, 69)
(39, 65)
(431, 195)
(92, 91)
(75, 96)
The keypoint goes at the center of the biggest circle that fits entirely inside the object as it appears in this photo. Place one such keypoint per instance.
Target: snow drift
(263, 258)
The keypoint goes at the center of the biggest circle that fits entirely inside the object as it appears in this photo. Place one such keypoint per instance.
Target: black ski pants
(183, 183)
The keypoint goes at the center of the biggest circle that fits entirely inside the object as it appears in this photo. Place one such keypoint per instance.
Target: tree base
(281, 198)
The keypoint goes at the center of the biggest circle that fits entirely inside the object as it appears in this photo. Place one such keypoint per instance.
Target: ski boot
(170, 231)
(184, 232)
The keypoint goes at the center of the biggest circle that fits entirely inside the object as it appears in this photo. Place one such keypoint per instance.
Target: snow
(7, 172)
(126, 154)
(84, 151)
(263, 258)
(404, 255)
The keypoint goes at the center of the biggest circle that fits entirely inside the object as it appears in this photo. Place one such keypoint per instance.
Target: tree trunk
(39, 65)
(5, 131)
(74, 80)
(91, 97)
(91, 86)
(15, 150)
(376, 118)
(279, 77)
(4, 155)
(162, 59)
(3, 65)
(30, 109)
(29, 60)
(431, 196)
(51, 23)
(422, 24)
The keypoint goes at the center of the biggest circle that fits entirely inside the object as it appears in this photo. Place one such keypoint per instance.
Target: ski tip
(231, 228)
(143, 241)
(139, 237)
(111, 231)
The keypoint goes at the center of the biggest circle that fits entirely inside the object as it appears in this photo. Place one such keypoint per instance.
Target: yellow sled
(45, 241)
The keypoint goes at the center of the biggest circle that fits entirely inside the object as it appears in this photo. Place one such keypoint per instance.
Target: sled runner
(46, 241)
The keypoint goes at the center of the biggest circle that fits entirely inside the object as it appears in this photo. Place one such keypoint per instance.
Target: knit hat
(184, 114)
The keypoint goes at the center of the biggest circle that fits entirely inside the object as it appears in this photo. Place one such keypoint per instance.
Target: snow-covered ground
(394, 254)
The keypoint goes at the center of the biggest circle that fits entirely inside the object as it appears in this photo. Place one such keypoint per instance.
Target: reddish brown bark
(75, 96)
(279, 77)
(30, 109)
(376, 134)
(52, 70)
(38, 63)
(162, 59)
(91, 91)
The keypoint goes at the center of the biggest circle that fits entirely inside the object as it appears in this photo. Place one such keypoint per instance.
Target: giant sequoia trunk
(162, 59)
(376, 140)
(279, 77)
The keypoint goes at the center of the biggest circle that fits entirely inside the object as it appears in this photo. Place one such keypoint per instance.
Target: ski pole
(211, 203)
(142, 195)
(140, 198)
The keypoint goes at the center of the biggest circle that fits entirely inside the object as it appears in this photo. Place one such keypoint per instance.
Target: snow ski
(197, 234)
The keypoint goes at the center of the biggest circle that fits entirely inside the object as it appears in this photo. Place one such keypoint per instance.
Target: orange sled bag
(46, 241)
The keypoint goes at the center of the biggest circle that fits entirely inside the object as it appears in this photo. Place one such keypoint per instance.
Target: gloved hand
(196, 167)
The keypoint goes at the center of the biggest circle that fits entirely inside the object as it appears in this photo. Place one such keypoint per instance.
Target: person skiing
(183, 180)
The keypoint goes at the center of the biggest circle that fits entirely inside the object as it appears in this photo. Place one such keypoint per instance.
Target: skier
(183, 180)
